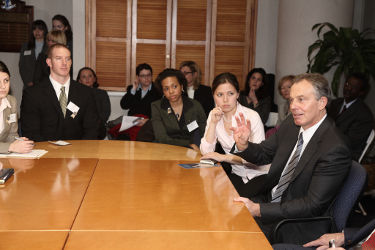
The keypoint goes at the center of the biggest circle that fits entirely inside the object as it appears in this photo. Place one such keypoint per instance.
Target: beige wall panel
(151, 19)
(191, 53)
(230, 59)
(153, 54)
(111, 18)
(111, 64)
(191, 20)
(231, 20)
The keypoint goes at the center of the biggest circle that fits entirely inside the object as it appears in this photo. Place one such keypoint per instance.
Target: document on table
(34, 154)
(60, 143)
(129, 121)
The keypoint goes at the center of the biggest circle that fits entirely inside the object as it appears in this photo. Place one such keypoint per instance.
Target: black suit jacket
(203, 94)
(318, 176)
(355, 123)
(138, 105)
(42, 118)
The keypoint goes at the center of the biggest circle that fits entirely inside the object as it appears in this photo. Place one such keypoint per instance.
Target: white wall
(266, 36)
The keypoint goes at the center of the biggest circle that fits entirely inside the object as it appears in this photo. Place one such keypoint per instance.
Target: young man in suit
(352, 116)
(59, 108)
(309, 163)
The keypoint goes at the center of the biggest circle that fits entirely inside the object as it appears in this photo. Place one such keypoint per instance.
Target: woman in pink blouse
(246, 177)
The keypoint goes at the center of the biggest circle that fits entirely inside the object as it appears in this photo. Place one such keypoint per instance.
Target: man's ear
(323, 101)
(49, 61)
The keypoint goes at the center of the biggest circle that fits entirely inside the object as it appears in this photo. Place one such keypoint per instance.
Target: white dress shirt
(227, 141)
(57, 87)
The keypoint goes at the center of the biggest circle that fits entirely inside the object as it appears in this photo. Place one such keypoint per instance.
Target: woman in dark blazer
(31, 50)
(256, 95)
(177, 119)
(9, 141)
(196, 90)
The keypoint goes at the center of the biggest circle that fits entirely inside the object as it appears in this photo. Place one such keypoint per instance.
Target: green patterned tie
(62, 100)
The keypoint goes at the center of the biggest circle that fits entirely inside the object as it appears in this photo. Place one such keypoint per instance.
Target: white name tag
(27, 53)
(192, 126)
(72, 107)
(12, 118)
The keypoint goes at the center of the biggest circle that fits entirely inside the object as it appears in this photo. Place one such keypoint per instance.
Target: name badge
(73, 108)
(12, 118)
(192, 126)
(27, 52)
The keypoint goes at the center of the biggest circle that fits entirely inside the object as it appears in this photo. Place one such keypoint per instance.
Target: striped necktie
(62, 100)
(288, 173)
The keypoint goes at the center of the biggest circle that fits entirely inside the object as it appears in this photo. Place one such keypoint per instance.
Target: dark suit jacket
(43, 120)
(166, 127)
(355, 123)
(203, 94)
(318, 176)
(138, 105)
(27, 63)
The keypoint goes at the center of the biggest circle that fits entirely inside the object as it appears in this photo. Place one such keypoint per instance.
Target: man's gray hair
(319, 83)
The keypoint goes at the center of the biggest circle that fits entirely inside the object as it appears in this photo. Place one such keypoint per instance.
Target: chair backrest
(348, 194)
(368, 143)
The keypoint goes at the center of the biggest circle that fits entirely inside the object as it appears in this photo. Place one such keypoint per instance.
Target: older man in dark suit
(352, 116)
(309, 163)
(59, 108)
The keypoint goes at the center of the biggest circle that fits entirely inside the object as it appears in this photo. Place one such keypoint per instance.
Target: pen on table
(18, 138)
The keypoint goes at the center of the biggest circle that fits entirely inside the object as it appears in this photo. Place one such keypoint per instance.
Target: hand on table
(253, 208)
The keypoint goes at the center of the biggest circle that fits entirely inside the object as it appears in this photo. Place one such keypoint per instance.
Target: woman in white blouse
(9, 142)
(247, 178)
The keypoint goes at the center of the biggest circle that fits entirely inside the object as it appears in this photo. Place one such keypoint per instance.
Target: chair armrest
(276, 230)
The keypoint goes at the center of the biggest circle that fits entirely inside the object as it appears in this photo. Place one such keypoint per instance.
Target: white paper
(129, 121)
(27, 53)
(35, 153)
(60, 143)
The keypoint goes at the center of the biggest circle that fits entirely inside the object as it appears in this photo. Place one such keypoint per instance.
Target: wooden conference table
(121, 195)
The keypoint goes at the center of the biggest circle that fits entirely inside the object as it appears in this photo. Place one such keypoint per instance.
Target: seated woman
(256, 94)
(285, 84)
(41, 68)
(87, 77)
(246, 178)
(196, 90)
(176, 119)
(9, 141)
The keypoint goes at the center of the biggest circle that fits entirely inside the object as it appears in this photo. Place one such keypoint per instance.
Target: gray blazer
(7, 136)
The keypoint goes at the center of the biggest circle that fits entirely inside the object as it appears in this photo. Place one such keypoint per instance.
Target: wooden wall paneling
(253, 28)
(129, 42)
(191, 28)
(112, 43)
(153, 54)
(90, 21)
(230, 59)
(213, 39)
(111, 64)
(195, 53)
(151, 34)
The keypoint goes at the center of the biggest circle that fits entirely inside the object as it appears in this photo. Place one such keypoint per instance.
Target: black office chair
(341, 207)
